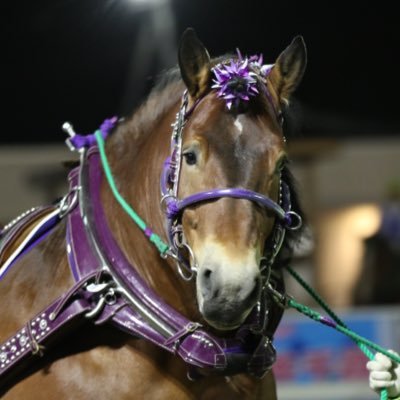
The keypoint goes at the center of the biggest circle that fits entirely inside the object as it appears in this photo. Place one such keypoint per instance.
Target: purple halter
(174, 207)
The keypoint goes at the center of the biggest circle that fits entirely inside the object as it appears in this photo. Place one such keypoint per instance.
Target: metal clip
(281, 299)
(107, 296)
(68, 128)
(98, 287)
(97, 309)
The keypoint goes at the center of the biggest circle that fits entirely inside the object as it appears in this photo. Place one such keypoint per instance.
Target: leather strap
(31, 340)
(25, 234)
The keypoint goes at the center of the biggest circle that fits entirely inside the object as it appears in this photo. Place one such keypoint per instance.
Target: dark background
(85, 60)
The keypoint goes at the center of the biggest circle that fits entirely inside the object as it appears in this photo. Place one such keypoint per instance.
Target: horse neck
(137, 165)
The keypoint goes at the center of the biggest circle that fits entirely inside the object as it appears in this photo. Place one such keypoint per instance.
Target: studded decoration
(24, 341)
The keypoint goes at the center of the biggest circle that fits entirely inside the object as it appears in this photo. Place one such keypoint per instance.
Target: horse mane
(166, 92)
(164, 95)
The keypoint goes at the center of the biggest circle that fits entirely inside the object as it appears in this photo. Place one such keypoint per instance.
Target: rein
(333, 321)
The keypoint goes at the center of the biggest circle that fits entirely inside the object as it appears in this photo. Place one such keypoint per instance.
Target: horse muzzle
(227, 291)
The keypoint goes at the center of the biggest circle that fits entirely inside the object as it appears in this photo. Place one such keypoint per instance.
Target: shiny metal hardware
(69, 129)
(180, 243)
(99, 287)
(298, 221)
(281, 299)
(65, 206)
(107, 296)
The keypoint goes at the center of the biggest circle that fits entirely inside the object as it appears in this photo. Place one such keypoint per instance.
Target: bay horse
(227, 118)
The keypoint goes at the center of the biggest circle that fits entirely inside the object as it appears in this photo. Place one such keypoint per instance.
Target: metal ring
(165, 197)
(192, 268)
(110, 297)
(178, 261)
(183, 275)
(294, 220)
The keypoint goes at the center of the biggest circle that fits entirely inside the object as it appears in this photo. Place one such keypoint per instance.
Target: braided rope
(336, 323)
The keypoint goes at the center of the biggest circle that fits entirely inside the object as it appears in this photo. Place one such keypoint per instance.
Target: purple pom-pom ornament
(236, 81)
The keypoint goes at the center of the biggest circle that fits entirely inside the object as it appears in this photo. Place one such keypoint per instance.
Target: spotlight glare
(147, 3)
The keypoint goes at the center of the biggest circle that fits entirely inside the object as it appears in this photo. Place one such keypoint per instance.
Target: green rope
(364, 344)
(314, 295)
(155, 239)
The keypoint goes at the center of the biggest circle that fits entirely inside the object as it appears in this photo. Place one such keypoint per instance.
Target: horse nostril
(207, 273)
(207, 283)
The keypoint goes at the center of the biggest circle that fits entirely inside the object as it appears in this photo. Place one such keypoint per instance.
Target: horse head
(232, 138)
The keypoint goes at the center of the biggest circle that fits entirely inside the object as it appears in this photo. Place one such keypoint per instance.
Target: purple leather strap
(236, 193)
(34, 236)
(31, 340)
(81, 258)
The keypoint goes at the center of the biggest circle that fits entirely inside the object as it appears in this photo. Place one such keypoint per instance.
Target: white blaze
(238, 125)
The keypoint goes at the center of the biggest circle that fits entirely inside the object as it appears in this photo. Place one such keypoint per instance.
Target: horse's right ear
(289, 69)
(194, 63)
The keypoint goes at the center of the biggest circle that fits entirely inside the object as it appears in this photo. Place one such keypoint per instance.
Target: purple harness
(108, 288)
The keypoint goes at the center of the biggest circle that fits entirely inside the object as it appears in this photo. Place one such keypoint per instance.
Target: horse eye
(190, 158)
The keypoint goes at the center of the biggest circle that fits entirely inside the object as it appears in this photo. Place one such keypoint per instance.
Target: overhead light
(145, 4)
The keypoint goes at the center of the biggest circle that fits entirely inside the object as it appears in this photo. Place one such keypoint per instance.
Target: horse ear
(289, 68)
(194, 63)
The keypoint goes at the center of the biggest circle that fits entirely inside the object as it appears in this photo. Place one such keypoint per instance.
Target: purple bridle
(174, 206)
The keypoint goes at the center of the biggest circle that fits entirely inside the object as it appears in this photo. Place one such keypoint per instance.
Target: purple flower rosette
(236, 81)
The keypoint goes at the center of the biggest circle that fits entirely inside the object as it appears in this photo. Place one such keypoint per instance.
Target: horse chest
(136, 371)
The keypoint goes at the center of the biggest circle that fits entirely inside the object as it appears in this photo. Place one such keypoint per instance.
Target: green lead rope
(162, 247)
(364, 344)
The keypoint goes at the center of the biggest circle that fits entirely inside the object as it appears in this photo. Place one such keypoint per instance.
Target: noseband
(174, 206)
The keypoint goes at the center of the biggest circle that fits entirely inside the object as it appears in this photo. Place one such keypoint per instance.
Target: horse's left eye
(190, 157)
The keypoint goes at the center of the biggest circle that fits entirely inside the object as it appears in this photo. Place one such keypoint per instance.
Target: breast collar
(109, 290)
